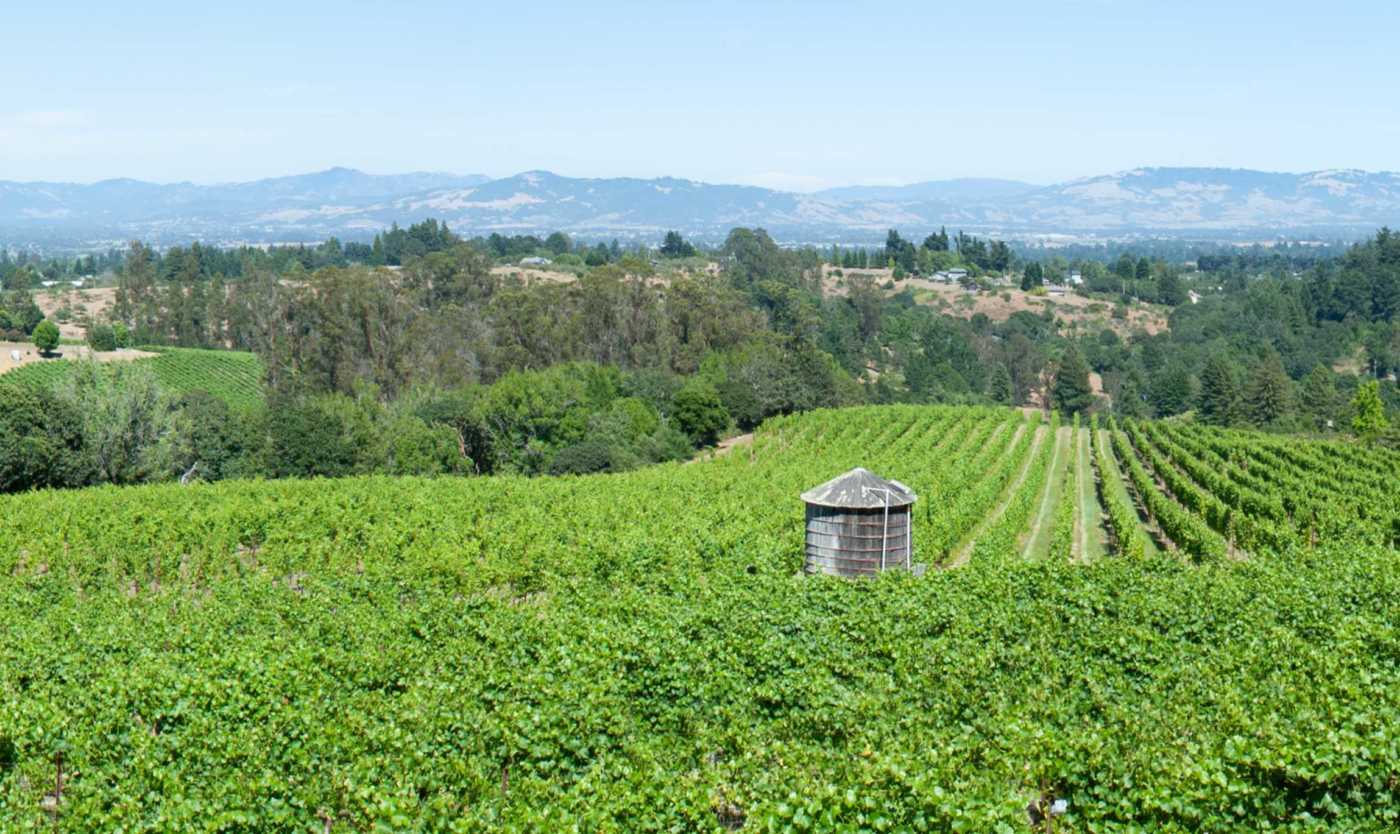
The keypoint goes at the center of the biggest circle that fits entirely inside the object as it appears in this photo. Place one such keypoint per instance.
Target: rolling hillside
(232, 376)
(1149, 626)
(1198, 202)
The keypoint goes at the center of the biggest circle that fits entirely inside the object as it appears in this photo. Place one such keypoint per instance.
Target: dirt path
(964, 553)
(1108, 466)
(1043, 526)
(1090, 538)
(724, 447)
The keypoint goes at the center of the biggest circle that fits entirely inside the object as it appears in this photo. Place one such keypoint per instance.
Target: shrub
(699, 412)
(101, 337)
(582, 459)
(46, 336)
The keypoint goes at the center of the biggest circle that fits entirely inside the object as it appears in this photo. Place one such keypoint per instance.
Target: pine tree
(999, 387)
(1169, 291)
(1319, 397)
(1269, 394)
(1072, 392)
(1219, 400)
(1170, 391)
(1129, 402)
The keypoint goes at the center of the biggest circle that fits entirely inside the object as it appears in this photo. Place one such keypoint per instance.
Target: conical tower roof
(859, 489)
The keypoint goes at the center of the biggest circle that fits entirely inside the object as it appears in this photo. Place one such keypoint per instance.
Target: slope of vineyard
(233, 376)
(639, 652)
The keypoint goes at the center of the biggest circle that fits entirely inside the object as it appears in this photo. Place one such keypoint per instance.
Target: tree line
(441, 362)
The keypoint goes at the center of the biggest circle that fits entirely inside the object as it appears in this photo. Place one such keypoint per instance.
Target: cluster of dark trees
(439, 365)
(938, 251)
(1263, 351)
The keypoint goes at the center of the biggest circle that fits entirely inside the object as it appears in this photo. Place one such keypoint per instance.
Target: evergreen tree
(676, 246)
(1130, 402)
(1170, 392)
(1219, 400)
(938, 241)
(1169, 290)
(1269, 394)
(1368, 420)
(1319, 397)
(1033, 276)
(1143, 271)
(999, 388)
(1072, 393)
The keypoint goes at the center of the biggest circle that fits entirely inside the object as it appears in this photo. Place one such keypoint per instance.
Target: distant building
(1076, 279)
(1194, 296)
(534, 260)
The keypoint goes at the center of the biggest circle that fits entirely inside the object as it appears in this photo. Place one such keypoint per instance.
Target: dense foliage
(637, 652)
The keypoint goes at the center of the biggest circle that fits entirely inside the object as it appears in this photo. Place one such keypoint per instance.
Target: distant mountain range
(1210, 203)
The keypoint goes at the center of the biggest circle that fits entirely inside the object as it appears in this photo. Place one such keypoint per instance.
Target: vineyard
(230, 375)
(1168, 627)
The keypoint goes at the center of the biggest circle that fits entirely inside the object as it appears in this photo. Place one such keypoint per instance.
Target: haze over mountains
(1208, 203)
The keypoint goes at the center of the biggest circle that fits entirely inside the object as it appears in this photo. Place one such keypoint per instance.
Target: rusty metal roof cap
(859, 489)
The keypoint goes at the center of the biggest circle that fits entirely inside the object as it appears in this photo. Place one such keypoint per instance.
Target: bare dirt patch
(91, 304)
(724, 447)
(28, 354)
(1000, 303)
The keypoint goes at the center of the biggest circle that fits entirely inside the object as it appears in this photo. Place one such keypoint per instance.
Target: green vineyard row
(234, 377)
(641, 652)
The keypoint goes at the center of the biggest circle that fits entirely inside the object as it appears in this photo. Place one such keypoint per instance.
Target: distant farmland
(232, 376)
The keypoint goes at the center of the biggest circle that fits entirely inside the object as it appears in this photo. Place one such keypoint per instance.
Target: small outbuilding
(858, 524)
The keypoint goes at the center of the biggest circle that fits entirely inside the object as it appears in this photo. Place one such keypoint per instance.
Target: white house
(1194, 296)
(1075, 279)
(534, 260)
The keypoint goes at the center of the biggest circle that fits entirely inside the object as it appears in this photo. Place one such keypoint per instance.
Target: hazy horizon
(571, 175)
(799, 97)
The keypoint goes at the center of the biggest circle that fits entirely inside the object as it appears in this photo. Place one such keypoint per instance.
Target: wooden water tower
(858, 524)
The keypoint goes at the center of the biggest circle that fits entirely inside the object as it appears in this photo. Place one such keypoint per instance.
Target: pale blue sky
(798, 95)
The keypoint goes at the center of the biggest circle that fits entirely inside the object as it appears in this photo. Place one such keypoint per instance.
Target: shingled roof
(859, 489)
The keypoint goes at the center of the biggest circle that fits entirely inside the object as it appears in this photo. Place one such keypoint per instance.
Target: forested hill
(426, 353)
(1199, 202)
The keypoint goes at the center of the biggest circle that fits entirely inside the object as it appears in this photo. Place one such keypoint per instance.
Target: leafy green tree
(699, 412)
(1219, 399)
(1318, 398)
(1368, 420)
(1269, 393)
(125, 421)
(558, 244)
(46, 336)
(1072, 393)
(41, 442)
